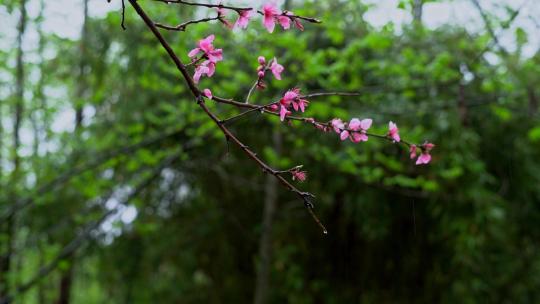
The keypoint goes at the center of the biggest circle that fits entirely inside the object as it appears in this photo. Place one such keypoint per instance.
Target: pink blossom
(243, 18)
(344, 135)
(300, 103)
(276, 69)
(208, 93)
(299, 175)
(291, 95)
(359, 129)
(274, 107)
(221, 15)
(283, 112)
(284, 21)
(298, 24)
(425, 157)
(270, 12)
(393, 132)
(338, 125)
(207, 67)
(260, 74)
(292, 98)
(206, 46)
(200, 71)
(412, 151)
(261, 60)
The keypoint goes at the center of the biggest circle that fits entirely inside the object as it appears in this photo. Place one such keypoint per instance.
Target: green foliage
(463, 229)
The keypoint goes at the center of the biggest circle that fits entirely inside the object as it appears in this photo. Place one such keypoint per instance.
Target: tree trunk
(66, 279)
(66, 282)
(417, 11)
(533, 101)
(9, 224)
(81, 87)
(262, 285)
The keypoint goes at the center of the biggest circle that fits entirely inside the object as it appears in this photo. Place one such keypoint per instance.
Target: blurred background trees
(115, 188)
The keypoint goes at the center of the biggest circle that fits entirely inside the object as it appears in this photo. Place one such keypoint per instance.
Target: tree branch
(305, 196)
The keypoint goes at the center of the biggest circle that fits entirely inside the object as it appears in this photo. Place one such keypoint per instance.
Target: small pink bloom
(260, 74)
(298, 24)
(243, 19)
(261, 60)
(428, 146)
(276, 69)
(359, 129)
(299, 175)
(393, 131)
(299, 103)
(206, 46)
(424, 158)
(194, 52)
(338, 125)
(200, 71)
(274, 107)
(269, 13)
(215, 55)
(357, 137)
(283, 112)
(208, 93)
(291, 95)
(344, 135)
(412, 151)
(211, 67)
(284, 21)
(220, 10)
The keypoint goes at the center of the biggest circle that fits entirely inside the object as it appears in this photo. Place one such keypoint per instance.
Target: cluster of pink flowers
(290, 101)
(424, 158)
(272, 15)
(274, 66)
(355, 130)
(212, 56)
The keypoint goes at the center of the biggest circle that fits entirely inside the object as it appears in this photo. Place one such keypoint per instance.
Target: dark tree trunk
(262, 284)
(8, 227)
(66, 282)
(417, 11)
(533, 102)
(81, 83)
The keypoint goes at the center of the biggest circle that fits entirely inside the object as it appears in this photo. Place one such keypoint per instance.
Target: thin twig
(182, 27)
(123, 15)
(257, 108)
(208, 5)
(251, 91)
